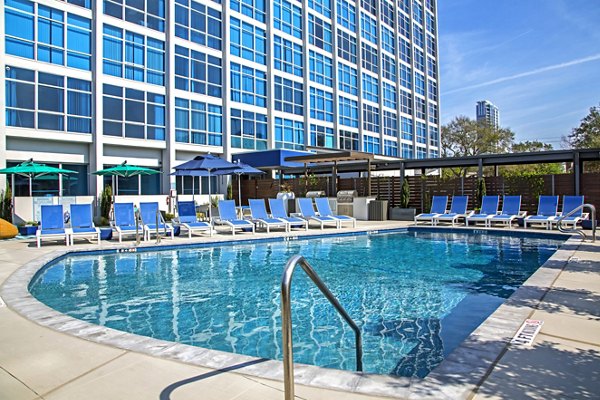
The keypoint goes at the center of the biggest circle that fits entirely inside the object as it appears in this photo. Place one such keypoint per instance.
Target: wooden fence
(421, 189)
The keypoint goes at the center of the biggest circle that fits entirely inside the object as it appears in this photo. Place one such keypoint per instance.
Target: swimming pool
(416, 295)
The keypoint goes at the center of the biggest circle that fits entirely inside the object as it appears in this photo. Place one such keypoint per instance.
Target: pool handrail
(286, 320)
(575, 230)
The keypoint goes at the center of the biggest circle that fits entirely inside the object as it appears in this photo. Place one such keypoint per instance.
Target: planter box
(402, 214)
(587, 224)
(106, 233)
(27, 230)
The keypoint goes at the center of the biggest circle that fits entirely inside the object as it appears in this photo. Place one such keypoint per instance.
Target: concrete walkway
(37, 362)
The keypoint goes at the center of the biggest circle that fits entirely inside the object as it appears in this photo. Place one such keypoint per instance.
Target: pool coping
(458, 376)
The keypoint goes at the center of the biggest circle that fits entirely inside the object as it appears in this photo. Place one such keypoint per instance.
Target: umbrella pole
(209, 200)
(12, 204)
(139, 185)
(239, 188)
(30, 190)
(193, 188)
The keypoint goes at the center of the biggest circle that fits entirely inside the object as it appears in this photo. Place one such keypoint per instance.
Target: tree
(529, 146)
(465, 137)
(586, 136)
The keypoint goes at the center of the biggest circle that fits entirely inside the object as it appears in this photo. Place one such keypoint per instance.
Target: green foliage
(214, 201)
(481, 191)
(587, 136)
(404, 194)
(531, 169)
(533, 182)
(229, 192)
(465, 137)
(105, 202)
(6, 204)
(169, 217)
(309, 182)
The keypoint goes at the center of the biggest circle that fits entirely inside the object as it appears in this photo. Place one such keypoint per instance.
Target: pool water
(416, 296)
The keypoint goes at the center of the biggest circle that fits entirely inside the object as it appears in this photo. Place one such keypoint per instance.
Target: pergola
(366, 162)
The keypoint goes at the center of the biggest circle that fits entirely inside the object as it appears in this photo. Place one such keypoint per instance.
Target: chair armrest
(522, 213)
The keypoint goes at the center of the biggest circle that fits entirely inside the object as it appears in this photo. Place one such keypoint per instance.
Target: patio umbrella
(244, 169)
(208, 164)
(32, 170)
(125, 170)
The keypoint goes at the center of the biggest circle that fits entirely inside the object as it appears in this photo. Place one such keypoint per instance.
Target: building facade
(89, 84)
(486, 112)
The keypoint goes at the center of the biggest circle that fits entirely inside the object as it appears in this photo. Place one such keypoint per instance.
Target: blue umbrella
(244, 169)
(208, 164)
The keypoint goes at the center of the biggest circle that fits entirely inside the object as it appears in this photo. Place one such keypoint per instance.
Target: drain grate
(527, 332)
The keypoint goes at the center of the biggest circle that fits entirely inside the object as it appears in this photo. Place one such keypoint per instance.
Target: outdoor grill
(345, 202)
(315, 193)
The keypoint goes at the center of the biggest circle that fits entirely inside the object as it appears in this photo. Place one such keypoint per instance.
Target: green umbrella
(125, 170)
(32, 170)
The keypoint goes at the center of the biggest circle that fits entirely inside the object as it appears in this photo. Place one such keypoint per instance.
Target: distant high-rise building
(488, 112)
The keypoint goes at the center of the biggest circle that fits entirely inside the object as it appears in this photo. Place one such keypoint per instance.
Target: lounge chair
(324, 210)
(458, 209)
(82, 224)
(308, 213)
(511, 210)
(151, 216)
(52, 225)
(569, 204)
(438, 207)
(260, 217)
(186, 217)
(125, 220)
(228, 216)
(546, 213)
(278, 211)
(489, 208)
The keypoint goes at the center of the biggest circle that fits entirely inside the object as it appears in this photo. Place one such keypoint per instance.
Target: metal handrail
(137, 227)
(286, 320)
(575, 230)
(158, 238)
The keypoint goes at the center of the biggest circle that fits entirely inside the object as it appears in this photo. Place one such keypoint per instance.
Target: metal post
(158, 238)
(368, 177)
(576, 172)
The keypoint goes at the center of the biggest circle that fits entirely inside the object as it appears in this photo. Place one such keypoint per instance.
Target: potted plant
(103, 221)
(403, 213)
(28, 228)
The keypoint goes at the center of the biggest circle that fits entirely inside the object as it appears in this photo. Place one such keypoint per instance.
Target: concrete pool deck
(37, 362)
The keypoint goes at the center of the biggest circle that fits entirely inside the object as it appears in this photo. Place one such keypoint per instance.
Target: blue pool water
(415, 295)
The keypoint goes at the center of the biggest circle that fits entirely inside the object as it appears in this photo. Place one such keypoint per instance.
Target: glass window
(148, 13)
(347, 48)
(369, 58)
(387, 13)
(405, 51)
(390, 124)
(142, 116)
(407, 150)
(198, 72)
(432, 91)
(198, 23)
(419, 84)
(198, 122)
(248, 85)
(348, 112)
(347, 79)
(370, 6)
(407, 128)
(321, 69)
(321, 6)
(417, 12)
(371, 144)
(248, 130)
(389, 67)
(420, 107)
(287, 17)
(434, 136)
(371, 118)
(289, 96)
(289, 134)
(388, 41)
(419, 60)
(432, 113)
(406, 102)
(370, 89)
(349, 140)
(346, 15)
(252, 8)
(321, 136)
(368, 28)
(320, 33)
(390, 148)
(321, 104)
(421, 131)
(389, 95)
(287, 56)
(248, 41)
(406, 76)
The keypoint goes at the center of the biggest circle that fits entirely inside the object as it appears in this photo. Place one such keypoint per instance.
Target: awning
(271, 159)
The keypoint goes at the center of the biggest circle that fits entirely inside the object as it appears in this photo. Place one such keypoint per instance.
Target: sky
(538, 61)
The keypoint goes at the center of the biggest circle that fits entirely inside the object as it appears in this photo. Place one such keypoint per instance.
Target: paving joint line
(23, 383)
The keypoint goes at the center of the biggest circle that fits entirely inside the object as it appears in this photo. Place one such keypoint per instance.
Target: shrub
(404, 194)
(105, 202)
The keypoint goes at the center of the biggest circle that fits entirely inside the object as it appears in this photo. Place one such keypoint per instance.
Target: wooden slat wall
(388, 188)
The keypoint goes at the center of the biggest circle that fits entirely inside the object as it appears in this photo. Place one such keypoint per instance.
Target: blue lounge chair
(260, 217)
(569, 204)
(52, 224)
(458, 209)
(228, 216)
(546, 213)
(151, 215)
(324, 210)
(82, 224)
(489, 208)
(186, 217)
(511, 210)
(438, 207)
(125, 220)
(278, 211)
(308, 213)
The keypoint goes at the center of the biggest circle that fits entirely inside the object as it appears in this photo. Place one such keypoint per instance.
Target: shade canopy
(125, 171)
(244, 169)
(32, 170)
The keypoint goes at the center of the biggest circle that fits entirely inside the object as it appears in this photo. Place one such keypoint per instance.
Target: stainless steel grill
(346, 196)
(315, 193)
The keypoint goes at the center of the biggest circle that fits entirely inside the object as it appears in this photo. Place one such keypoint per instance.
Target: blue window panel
(20, 118)
(320, 33)
(19, 25)
(51, 122)
(19, 48)
(51, 99)
(321, 69)
(287, 17)
(346, 15)
(321, 6)
(79, 125)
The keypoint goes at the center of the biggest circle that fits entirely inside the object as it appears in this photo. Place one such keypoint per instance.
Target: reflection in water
(416, 296)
